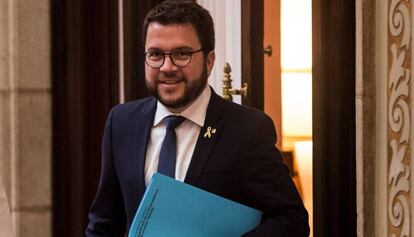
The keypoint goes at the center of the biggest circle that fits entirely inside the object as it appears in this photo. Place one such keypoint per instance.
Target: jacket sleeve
(267, 186)
(107, 215)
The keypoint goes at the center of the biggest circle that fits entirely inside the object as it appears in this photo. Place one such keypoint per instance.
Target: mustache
(168, 75)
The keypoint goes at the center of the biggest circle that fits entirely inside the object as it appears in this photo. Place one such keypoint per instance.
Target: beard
(192, 90)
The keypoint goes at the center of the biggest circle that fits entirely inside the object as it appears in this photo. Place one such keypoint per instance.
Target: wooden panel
(85, 87)
(334, 181)
(134, 15)
(272, 66)
(85, 51)
(252, 51)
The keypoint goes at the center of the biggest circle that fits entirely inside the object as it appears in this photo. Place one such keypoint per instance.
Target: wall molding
(399, 132)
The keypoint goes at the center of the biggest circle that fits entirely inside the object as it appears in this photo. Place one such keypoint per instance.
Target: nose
(168, 65)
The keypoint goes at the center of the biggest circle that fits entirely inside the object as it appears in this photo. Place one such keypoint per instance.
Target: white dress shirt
(187, 135)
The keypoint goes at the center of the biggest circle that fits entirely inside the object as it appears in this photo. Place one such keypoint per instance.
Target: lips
(171, 82)
(170, 85)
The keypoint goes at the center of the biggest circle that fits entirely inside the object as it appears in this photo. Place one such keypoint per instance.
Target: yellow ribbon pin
(209, 132)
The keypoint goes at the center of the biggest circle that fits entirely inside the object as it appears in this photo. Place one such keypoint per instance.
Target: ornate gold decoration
(228, 90)
(399, 114)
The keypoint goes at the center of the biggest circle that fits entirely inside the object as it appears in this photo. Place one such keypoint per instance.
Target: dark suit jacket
(239, 162)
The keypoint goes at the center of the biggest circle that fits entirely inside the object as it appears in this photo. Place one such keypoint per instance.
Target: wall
(25, 113)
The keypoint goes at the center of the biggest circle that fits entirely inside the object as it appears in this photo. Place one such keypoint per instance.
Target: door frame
(252, 51)
(333, 109)
(334, 134)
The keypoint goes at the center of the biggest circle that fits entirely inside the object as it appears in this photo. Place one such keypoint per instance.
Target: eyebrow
(173, 50)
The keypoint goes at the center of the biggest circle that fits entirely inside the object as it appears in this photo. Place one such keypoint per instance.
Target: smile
(170, 82)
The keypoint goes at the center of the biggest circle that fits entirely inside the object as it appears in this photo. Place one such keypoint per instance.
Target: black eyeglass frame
(171, 58)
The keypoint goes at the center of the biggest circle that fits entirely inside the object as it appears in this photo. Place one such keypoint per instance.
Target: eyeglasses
(179, 58)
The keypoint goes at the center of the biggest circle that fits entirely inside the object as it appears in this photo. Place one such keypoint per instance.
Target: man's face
(176, 87)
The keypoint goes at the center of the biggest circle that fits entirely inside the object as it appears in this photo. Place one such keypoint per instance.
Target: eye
(155, 55)
(181, 55)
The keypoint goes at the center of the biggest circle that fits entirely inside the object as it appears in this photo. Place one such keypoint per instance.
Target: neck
(178, 110)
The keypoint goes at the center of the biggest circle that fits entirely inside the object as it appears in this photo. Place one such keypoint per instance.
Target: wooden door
(85, 87)
(334, 184)
(272, 65)
(252, 51)
(86, 72)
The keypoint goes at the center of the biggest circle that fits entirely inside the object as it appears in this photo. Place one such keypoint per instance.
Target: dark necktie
(168, 153)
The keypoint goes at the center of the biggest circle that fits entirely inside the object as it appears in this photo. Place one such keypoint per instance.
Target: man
(222, 147)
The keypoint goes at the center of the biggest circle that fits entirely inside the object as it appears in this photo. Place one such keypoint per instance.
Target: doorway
(77, 75)
(288, 86)
(333, 108)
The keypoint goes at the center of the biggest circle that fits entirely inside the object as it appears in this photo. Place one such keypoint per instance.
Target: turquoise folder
(175, 209)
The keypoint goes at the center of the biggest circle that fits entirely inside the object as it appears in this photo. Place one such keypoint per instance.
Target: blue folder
(172, 208)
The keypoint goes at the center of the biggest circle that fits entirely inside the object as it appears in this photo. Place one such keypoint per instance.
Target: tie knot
(173, 121)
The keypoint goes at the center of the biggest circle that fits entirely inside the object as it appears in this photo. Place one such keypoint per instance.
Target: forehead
(172, 36)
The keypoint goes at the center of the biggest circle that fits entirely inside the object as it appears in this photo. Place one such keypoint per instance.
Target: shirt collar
(196, 112)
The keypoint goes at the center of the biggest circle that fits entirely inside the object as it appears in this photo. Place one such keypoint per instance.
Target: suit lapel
(144, 122)
(208, 136)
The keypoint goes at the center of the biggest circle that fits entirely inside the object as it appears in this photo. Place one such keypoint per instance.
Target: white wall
(227, 23)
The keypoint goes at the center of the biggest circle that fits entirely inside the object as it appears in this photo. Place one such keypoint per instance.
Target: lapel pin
(209, 132)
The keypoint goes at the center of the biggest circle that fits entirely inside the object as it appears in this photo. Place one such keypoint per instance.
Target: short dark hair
(183, 12)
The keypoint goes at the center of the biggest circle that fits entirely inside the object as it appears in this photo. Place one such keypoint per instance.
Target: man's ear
(211, 57)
